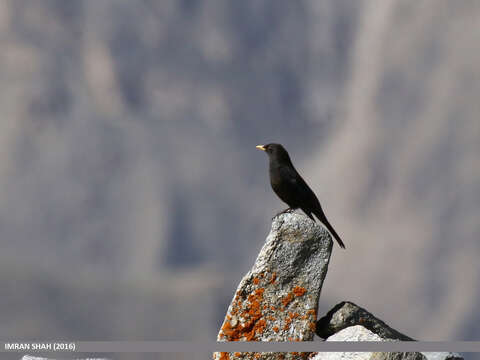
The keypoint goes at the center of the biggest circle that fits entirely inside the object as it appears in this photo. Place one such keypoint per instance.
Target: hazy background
(133, 199)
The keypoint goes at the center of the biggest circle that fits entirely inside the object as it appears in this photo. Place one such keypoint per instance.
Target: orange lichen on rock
(276, 329)
(287, 299)
(312, 312)
(312, 326)
(224, 356)
(259, 327)
(256, 280)
(274, 277)
(293, 315)
(300, 355)
(236, 305)
(237, 354)
(299, 291)
(258, 294)
(253, 325)
(232, 333)
(288, 321)
(255, 300)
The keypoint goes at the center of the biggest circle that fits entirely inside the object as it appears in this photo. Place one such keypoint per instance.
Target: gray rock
(347, 314)
(442, 356)
(360, 333)
(398, 356)
(277, 299)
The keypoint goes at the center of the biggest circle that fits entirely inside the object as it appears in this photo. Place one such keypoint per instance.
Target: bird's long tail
(321, 216)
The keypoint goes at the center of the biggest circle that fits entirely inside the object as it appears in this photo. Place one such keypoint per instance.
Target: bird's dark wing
(296, 190)
(297, 194)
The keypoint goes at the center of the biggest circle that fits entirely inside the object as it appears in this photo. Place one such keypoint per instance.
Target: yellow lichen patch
(299, 291)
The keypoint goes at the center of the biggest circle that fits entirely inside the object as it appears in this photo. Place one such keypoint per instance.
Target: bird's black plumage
(291, 188)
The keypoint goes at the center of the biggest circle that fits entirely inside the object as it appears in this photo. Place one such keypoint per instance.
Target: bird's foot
(286, 211)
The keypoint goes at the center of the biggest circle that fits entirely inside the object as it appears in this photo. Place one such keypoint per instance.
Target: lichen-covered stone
(277, 299)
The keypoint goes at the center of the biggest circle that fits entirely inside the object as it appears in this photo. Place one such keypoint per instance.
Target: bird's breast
(282, 186)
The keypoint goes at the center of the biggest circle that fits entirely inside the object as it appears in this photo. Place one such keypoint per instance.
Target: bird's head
(275, 152)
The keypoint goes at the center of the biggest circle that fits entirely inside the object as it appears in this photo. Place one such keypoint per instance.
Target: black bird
(292, 189)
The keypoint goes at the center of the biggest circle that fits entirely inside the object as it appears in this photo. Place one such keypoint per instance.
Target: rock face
(277, 299)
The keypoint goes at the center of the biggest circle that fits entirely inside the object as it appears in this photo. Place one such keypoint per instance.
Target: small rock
(359, 333)
(347, 314)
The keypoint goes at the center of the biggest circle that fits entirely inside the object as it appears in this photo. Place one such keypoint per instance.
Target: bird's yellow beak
(260, 147)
